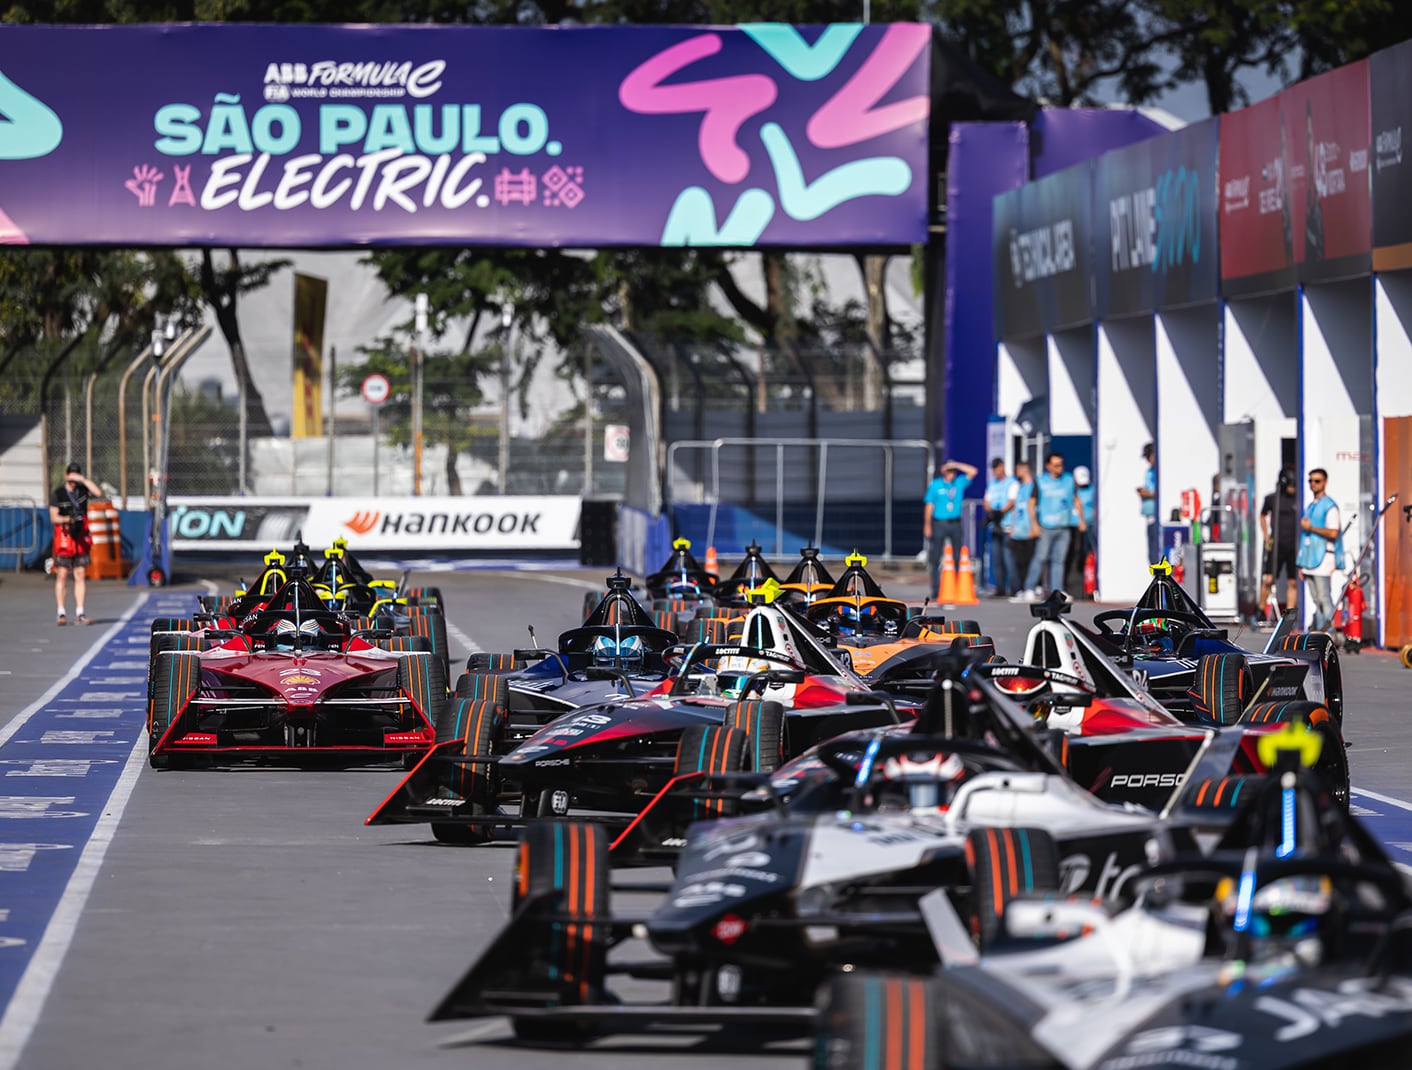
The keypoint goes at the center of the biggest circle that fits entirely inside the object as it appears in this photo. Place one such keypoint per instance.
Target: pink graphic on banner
(727, 102)
(515, 187)
(9, 233)
(852, 115)
(563, 187)
(143, 184)
(181, 192)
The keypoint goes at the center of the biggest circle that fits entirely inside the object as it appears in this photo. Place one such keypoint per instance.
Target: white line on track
(22, 1015)
(1388, 799)
(15, 723)
(568, 581)
(467, 643)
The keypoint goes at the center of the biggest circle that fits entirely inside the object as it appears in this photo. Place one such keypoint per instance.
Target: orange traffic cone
(711, 566)
(965, 581)
(947, 594)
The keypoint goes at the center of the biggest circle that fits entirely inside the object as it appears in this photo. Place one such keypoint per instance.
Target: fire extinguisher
(1090, 574)
(1353, 626)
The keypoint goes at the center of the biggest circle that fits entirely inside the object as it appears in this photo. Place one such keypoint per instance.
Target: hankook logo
(362, 522)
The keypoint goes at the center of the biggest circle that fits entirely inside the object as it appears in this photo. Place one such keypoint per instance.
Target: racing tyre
(162, 642)
(1405, 656)
(484, 661)
(569, 858)
(1221, 687)
(421, 678)
(712, 749)
(177, 678)
(665, 619)
(428, 621)
(477, 723)
(1006, 863)
(172, 624)
(406, 644)
(1220, 793)
(708, 630)
(424, 596)
(1332, 765)
(1323, 644)
(877, 1020)
(964, 626)
(763, 724)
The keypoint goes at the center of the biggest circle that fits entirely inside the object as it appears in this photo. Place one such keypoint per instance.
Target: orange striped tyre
(427, 621)
(424, 596)
(172, 624)
(1221, 793)
(486, 661)
(406, 644)
(421, 678)
(763, 723)
(708, 630)
(876, 1021)
(965, 626)
(1333, 758)
(1221, 688)
(477, 723)
(1006, 863)
(665, 619)
(1322, 644)
(160, 643)
(712, 749)
(567, 862)
(177, 678)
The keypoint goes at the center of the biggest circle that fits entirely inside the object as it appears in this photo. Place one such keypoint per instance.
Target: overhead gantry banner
(328, 136)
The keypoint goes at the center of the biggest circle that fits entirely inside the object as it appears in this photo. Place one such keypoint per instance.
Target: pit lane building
(1237, 291)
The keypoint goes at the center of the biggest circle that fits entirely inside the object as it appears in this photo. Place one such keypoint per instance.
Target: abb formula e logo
(1147, 780)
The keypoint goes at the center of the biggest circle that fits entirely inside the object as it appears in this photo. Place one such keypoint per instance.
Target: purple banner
(326, 136)
(985, 159)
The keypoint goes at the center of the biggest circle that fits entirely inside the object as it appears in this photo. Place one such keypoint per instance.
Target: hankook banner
(1040, 241)
(323, 136)
(416, 524)
(1296, 203)
(1390, 82)
(1155, 223)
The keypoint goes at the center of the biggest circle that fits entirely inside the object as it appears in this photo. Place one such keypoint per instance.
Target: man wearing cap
(999, 501)
(941, 513)
(1279, 524)
(68, 512)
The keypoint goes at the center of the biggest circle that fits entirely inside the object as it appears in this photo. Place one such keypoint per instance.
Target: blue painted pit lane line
(68, 763)
(1389, 819)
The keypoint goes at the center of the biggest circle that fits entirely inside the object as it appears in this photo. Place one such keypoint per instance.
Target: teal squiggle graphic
(692, 220)
(880, 176)
(806, 62)
(33, 129)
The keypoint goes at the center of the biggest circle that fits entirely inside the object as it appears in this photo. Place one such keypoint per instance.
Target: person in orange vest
(73, 543)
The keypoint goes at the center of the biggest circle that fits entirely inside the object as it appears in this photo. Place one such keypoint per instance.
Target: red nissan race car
(294, 680)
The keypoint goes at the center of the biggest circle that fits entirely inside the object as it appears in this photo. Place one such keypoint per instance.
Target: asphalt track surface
(248, 918)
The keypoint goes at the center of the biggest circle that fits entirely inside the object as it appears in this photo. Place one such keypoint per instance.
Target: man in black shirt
(1279, 525)
(68, 511)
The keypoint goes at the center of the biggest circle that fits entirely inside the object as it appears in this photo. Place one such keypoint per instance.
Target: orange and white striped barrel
(105, 527)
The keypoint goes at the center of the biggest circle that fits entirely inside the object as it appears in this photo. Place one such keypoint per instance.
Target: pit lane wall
(1240, 292)
(464, 524)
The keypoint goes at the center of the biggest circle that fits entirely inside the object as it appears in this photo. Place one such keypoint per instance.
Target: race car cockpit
(681, 576)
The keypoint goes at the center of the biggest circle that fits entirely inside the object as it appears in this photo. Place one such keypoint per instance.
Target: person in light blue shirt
(1054, 503)
(999, 502)
(1020, 527)
(1080, 541)
(941, 513)
(1148, 493)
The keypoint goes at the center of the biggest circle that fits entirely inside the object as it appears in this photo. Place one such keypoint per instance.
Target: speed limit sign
(376, 389)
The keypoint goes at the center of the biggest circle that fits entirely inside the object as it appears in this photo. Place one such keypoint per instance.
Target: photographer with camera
(68, 511)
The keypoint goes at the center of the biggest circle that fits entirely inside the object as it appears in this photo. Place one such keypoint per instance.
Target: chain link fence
(542, 442)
